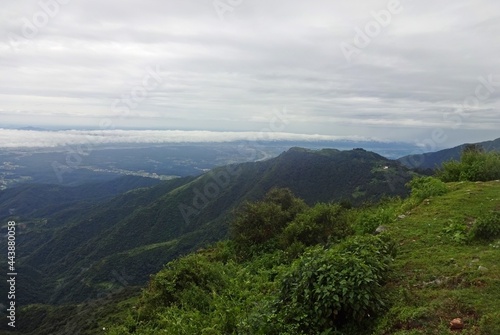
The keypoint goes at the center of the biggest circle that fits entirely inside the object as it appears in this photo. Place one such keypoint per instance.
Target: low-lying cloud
(13, 138)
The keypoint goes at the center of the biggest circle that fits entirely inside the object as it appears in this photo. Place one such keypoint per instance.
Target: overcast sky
(311, 67)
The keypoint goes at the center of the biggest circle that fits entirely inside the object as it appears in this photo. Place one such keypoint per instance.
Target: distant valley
(103, 229)
(75, 239)
(75, 165)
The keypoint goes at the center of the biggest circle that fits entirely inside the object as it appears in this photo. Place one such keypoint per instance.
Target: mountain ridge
(433, 160)
(191, 212)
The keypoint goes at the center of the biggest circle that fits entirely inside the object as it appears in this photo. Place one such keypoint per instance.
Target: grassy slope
(437, 277)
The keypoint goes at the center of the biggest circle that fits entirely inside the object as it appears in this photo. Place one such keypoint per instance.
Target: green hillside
(288, 266)
(440, 268)
(433, 160)
(75, 253)
(440, 272)
(38, 200)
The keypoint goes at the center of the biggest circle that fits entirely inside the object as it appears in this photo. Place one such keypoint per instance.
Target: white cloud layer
(177, 65)
(13, 138)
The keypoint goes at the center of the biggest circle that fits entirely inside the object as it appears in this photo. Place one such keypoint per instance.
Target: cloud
(14, 138)
(232, 74)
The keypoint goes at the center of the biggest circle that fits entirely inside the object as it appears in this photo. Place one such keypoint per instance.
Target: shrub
(450, 171)
(259, 222)
(425, 187)
(487, 227)
(474, 165)
(335, 287)
(284, 198)
(317, 225)
(369, 219)
(457, 233)
(184, 282)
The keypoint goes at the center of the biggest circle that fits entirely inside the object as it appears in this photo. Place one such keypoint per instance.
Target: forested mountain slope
(432, 160)
(136, 233)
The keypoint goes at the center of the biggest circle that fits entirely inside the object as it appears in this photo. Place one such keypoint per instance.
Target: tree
(318, 225)
(258, 222)
(475, 165)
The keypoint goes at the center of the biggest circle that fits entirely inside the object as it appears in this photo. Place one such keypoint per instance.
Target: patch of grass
(443, 277)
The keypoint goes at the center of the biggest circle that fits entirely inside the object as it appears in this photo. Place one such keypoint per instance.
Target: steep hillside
(432, 160)
(136, 233)
(28, 199)
(441, 272)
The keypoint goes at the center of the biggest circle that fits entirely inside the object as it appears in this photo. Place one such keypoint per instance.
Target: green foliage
(367, 222)
(435, 279)
(184, 282)
(457, 232)
(240, 303)
(425, 187)
(211, 293)
(129, 234)
(490, 325)
(319, 224)
(487, 227)
(330, 288)
(450, 171)
(474, 165)
(406, 315)
(259, 222)
(285, 199)
(368, 219)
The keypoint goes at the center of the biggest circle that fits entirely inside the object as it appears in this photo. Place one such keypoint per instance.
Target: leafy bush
(259, 222)
(425, 187)
(331, 288)
(474, 165)
(317, 225)
(184, 282)
(368, 220)
(194, 296)
(487, 227)
(457, 232)
(284, 198)
(450, 171)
